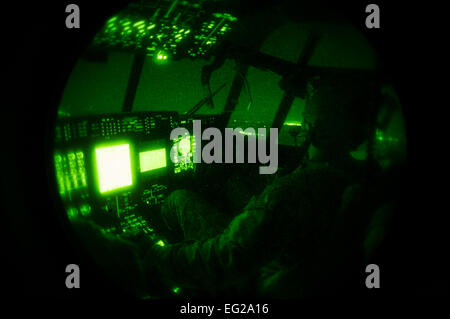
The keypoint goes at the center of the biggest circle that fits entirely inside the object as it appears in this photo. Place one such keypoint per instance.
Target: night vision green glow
(293, 123)
(151, 160)
(85, 209)
(72, 213)
(113, 167)
(379, 135)
(183, 158)
(176, 290)
(184, 149)
(226, 16)
(161, 56)
(70, 172)
(160, 243)
(184, 146)
(248, 133)
(150, 35)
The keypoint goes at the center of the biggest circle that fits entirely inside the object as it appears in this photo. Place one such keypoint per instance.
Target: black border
(43, 55)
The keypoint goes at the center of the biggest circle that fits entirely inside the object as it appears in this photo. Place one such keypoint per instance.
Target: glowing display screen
(151, 160)
(113, 167)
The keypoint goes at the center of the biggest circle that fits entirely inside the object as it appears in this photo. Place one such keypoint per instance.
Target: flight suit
(281, 239)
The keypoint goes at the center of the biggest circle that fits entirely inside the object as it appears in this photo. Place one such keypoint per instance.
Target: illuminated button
(72, 213)
(85, 209)
(160, 243)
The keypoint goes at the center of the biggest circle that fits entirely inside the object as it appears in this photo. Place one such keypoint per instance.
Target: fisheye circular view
(221, 149)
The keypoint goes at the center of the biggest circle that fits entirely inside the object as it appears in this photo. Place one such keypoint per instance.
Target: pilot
(285, 241)
(288, 241)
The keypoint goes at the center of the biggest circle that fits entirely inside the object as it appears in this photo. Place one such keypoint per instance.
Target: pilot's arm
(229, 257)
(214, 262)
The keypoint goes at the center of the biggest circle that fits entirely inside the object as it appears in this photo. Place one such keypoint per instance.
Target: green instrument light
(72, 213)
(227, 16)
(151, 160)
(131, 33)
(85, 209)
(160, 243)
(176, 290)
(293, 123)
(112, 19)
(161, 56)
(139, 23)
(380, 137)
(113, 167)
